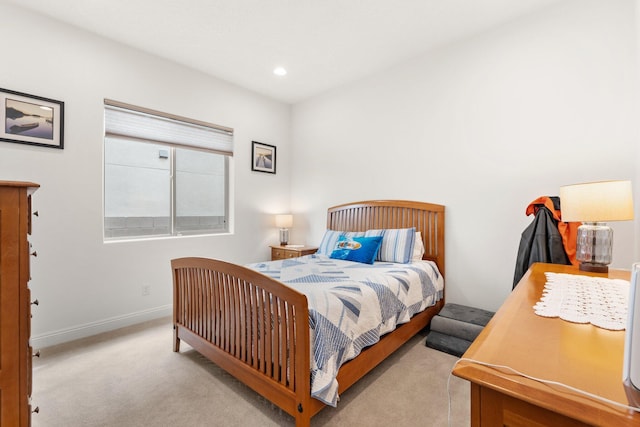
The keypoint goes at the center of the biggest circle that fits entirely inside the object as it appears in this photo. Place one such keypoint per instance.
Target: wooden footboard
(252, 326)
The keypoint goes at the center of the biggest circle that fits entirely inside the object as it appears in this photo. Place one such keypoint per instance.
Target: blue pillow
(358, 249)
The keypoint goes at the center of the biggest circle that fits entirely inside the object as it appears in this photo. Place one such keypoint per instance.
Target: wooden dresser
(582, 356)
(15, 303)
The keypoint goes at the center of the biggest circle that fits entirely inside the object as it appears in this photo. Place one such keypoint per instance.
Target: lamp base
(594, 243)
(284, 237)
(592, 267)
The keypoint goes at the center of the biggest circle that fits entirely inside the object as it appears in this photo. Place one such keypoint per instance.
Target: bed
(259, 329)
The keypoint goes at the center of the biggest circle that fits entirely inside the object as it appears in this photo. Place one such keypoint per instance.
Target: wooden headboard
(428, 218)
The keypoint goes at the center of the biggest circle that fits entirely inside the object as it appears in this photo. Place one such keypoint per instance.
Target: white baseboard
(94, 328)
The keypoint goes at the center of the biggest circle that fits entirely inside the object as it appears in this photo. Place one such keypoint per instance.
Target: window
(163, 175)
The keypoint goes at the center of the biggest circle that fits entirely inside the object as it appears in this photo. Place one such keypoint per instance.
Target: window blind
(139, 123)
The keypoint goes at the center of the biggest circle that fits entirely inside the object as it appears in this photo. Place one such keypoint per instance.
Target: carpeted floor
(131, 377)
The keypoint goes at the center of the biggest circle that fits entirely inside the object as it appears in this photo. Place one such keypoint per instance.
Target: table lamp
(593, 204)
(284, 222)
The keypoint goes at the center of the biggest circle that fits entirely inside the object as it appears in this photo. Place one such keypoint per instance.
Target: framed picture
(30, 119)
(263, 157)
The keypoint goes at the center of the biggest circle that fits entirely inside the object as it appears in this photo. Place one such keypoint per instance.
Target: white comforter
(351, 305)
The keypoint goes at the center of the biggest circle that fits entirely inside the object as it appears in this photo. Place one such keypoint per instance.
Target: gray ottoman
(455, 327)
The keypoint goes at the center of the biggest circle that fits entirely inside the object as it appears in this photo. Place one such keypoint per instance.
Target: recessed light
(279, 71)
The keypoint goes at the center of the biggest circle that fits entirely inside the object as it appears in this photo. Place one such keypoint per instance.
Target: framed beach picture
(30, 119)
(263, 157)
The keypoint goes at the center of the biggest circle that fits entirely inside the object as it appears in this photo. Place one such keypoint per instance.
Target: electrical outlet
(146, 290)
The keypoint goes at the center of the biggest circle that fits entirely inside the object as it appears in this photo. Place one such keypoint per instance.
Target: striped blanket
(351, 305)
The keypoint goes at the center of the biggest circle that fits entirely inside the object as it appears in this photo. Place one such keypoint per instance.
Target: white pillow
(330, 238)
(397, 244)
(418, 247)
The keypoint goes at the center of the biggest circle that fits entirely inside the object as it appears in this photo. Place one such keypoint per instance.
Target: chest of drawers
(15, 303)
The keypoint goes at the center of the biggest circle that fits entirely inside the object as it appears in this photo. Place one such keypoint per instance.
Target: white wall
(483, 126)
(84, 285)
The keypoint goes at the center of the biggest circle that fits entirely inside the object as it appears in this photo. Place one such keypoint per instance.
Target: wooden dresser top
(18, 184)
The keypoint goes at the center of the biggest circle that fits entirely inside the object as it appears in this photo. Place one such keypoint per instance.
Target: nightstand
(283, 252)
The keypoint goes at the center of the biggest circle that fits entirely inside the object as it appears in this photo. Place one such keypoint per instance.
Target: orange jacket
(568, 230)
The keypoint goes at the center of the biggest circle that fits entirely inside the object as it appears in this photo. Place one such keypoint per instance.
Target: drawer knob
(35, 302)
(36, 354)
(34, 253)
(36, 213)
(36, 410)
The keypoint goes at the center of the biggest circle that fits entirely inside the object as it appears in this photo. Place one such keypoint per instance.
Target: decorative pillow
(418, 247)
(330, 238)
(358, 249)
(397, 244)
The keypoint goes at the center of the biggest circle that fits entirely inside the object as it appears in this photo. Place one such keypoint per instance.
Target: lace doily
(584, 299)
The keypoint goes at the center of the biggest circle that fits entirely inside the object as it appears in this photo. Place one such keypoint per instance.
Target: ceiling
(322, 43)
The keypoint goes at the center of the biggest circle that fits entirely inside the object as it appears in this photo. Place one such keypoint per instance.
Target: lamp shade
(602, 201)
(284, 221)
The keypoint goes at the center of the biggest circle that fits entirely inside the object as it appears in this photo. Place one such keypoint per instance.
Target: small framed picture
(30, 119)
(263, 157)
